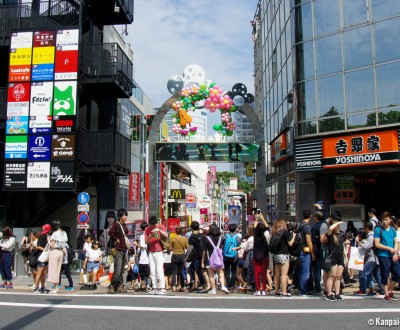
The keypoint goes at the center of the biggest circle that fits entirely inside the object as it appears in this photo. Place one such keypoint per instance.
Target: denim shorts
(91, 266)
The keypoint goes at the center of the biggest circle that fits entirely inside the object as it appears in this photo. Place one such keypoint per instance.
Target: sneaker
(387, 299)
(154, 291)
(331, 297)
(37, 290)
(287, 295)
(212, 291)
(380, 292)
(352, 280)
(371, 294)
(339, 297)
(360, 293)
(3, 286)
(140, 290)
(392, 296)
(263, 293)
(111, 290)
(325, 293)
(225, 290)
(257, 293)
(290, 287)
(69, 288)
(162, 292)
(122, 289)
(10, 286)
(33, 286)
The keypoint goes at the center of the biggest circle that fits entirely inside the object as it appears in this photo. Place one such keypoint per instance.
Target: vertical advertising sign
(20, 57)
(40, 107)
(134, 191)
(43, 55)
(64, 98)
(18, 99)
(67, 55)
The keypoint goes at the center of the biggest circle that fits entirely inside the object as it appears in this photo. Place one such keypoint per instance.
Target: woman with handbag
(336, 258)
(42, 265)
(58, 245)
(7, 245)
(25, 250)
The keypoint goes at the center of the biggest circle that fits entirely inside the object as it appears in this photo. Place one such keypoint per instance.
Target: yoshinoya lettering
(358, 159)
(309, 163)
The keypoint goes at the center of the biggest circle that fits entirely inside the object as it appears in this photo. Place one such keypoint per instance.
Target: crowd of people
(272, 260)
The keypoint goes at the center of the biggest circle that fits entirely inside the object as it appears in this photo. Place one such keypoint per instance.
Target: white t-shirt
(87, 247)
(61, 239)
(144, 257)
(93, 255)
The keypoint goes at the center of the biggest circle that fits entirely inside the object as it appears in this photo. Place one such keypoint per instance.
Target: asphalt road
(21, 310)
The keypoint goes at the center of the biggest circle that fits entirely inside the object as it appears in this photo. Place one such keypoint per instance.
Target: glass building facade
(322, 68)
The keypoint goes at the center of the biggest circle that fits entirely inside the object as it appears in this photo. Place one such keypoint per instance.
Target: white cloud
(168, 35)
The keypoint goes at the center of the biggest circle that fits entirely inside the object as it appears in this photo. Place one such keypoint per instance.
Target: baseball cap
(45, 229)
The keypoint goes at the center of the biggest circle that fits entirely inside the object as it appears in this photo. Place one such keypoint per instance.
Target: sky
(169, 35)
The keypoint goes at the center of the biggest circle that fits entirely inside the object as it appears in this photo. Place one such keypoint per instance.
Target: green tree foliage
(331, 124)
(242, 185)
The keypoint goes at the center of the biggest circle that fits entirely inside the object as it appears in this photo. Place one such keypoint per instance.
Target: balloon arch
(192, 92)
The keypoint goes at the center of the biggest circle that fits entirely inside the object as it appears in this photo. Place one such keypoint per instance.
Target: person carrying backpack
(317, 248)
(372, 218)
(260, 258)
(279, 247)
(232, 241)
(212, 259)
(385, 241)
(195, 240)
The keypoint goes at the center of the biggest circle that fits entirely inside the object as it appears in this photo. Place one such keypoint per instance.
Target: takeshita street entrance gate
(187, 99)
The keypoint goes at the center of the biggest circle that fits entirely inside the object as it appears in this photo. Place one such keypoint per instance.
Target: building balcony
(110, 12)
(103, 152)
(106, 71)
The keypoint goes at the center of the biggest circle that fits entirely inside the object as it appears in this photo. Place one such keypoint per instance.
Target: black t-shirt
(284, 246)
(195, 240)
(207, 245)
(42, 242)
(336, 251)
(305, 229)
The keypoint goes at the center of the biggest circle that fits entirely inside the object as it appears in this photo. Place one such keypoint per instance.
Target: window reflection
(387, 41)
(307, 128)
(384, 8)
(357, 47)
(330, 96)
(389, 116)
(331, 124)
(305, 60)
(360, 91)
(354, 12)
(329, 55)
(388, 83)
(306, 100)
(361, 120)
(303, 28)
(327, 18)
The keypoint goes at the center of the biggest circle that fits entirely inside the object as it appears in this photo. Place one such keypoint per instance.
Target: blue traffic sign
(83, 218)
(83, 198)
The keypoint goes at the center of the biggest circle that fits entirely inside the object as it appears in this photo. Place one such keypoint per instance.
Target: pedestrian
(58, 247)
(307, 254)
(372, 217)
(179, 246)
(336, 254)
(260, 258)
(67, 271)
(32, 258)
(144, 262)
(104, 238)
(371, 262)
(385, 241)
(247, 246)
(318, 252)
(24, 250)
(281, 235)
(232, 245)
(351, 233)
(195, 240)
(214, 242)
(7, 246)
(92, 262)
(153, 235)
(118, 233)
(40, 278)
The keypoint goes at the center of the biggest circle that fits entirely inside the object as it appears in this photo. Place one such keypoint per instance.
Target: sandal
(287, 295)
(54, 291)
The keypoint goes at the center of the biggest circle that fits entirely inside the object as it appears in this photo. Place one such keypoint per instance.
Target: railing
(129, 5)
(20, 18)
(107, 149)
(102, 60)
(55, 8)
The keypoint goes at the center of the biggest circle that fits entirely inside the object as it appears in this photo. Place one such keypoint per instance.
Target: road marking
(204, 310)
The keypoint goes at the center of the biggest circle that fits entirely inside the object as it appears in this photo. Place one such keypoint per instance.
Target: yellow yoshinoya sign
(21, 56)
(43, 55)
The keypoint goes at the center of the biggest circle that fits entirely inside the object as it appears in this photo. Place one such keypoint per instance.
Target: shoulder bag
(127, 241)
(44, 257)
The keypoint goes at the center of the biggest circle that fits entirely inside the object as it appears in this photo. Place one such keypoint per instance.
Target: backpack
(299, 242)
(275, 243)
(230, 243)
(71, 255)
(216, 259)
(315, 235)
(260, 249)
